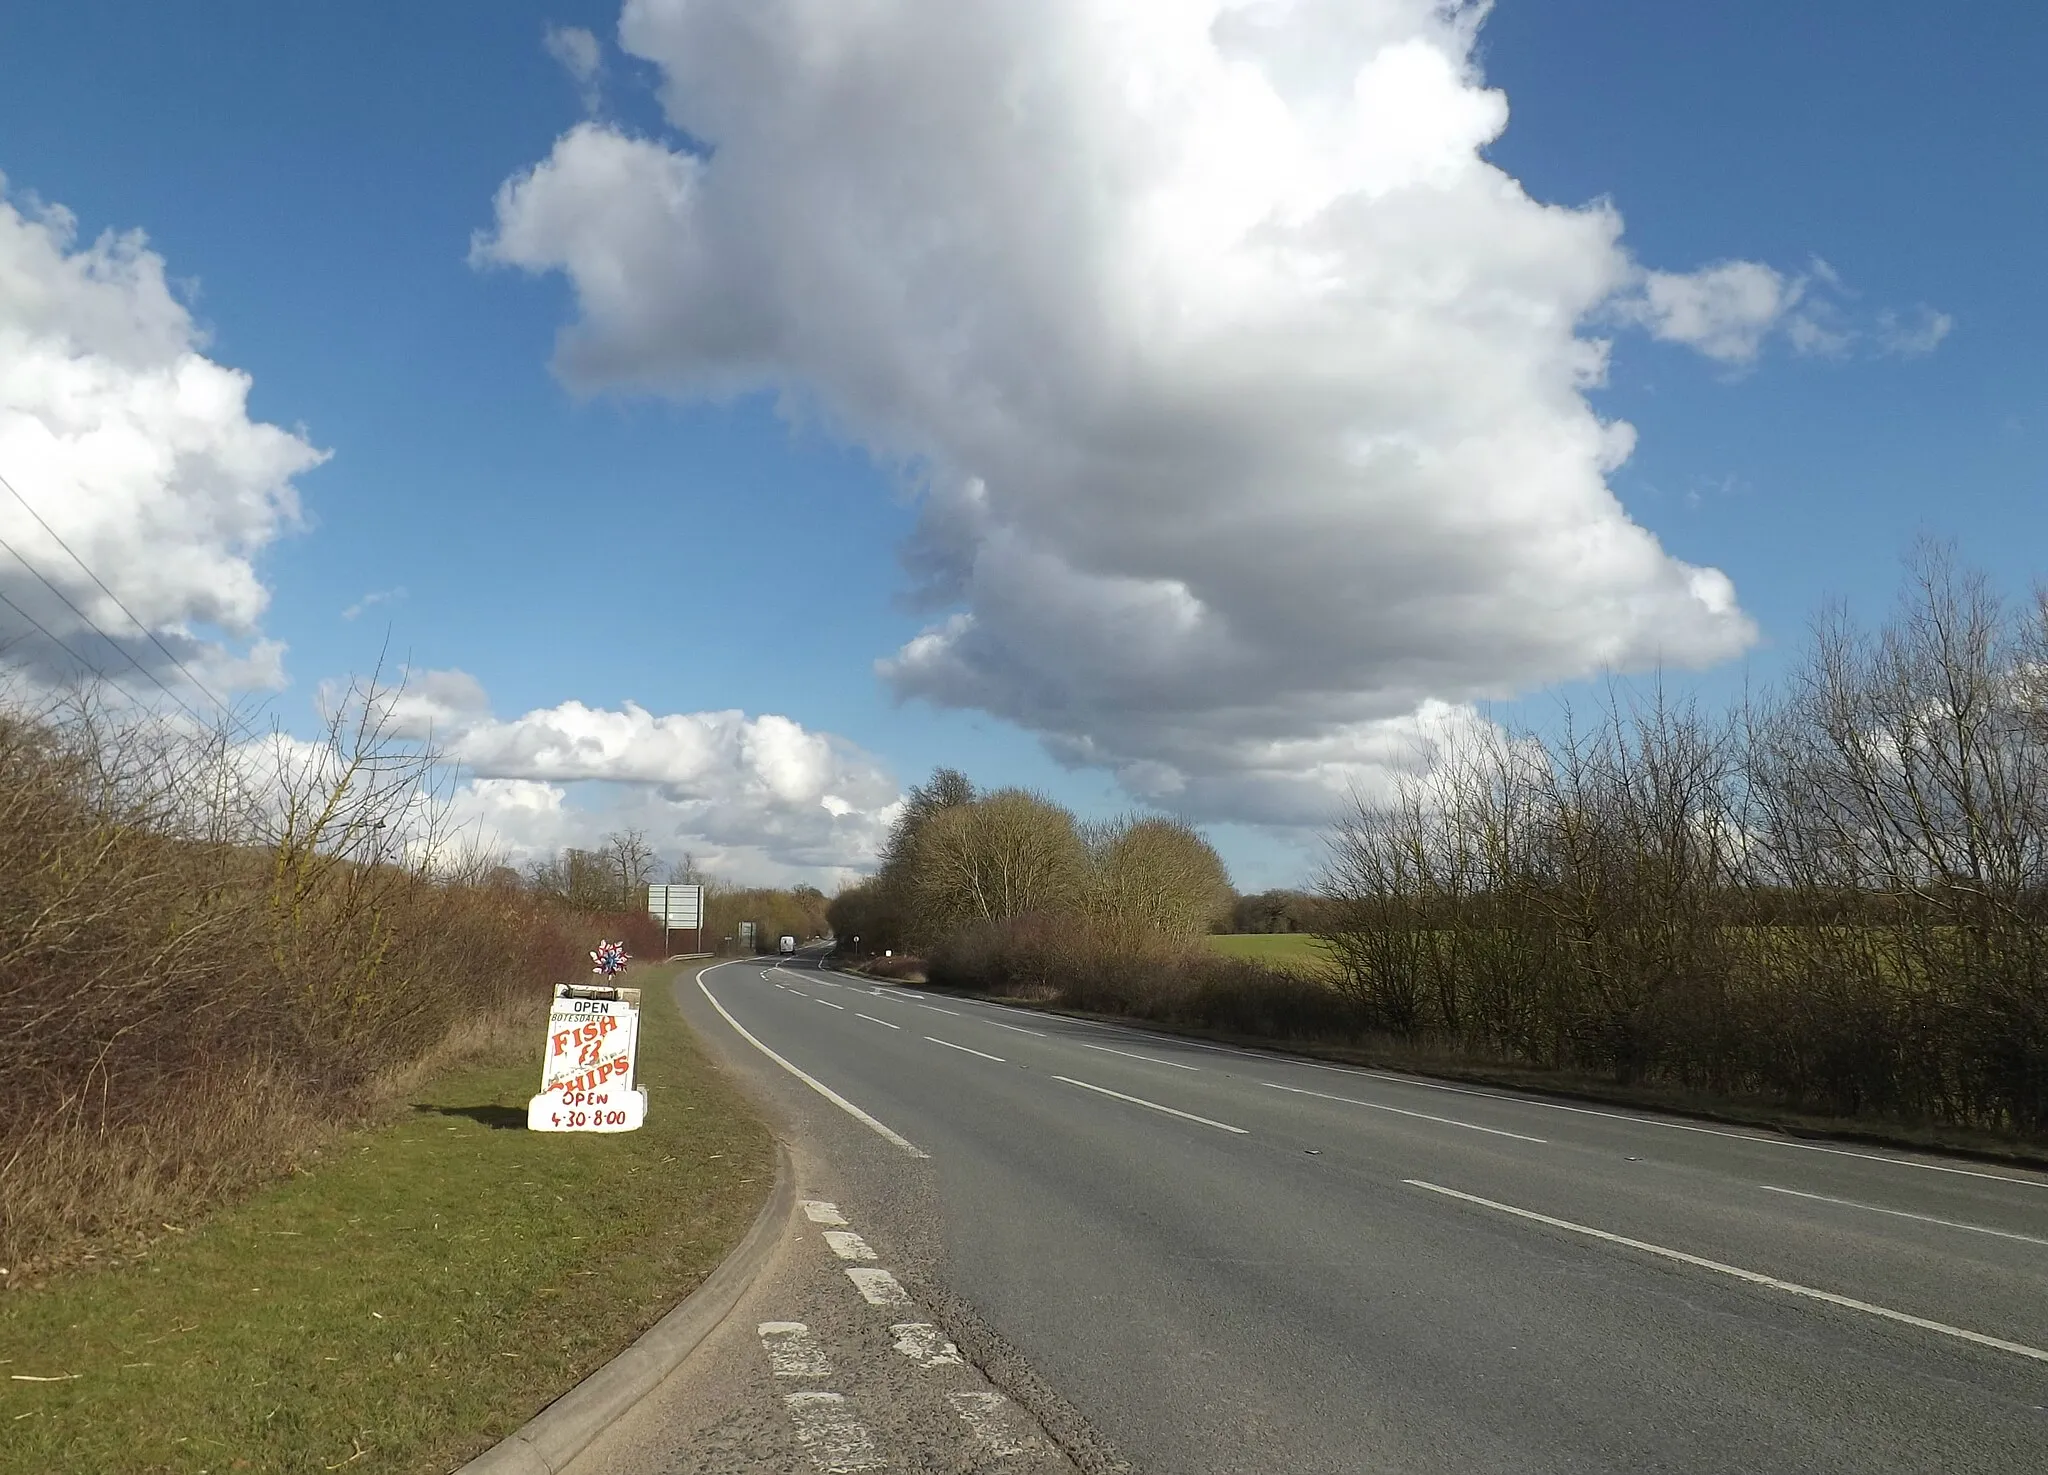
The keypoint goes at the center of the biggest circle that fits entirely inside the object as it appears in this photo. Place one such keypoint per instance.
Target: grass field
(423, 1291)
(1282, 949)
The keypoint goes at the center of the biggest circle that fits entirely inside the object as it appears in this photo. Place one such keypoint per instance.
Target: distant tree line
(959, 860)
(1276, 911)
(615, 876)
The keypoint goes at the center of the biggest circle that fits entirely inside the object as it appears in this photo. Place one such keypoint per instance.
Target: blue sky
(320, 174)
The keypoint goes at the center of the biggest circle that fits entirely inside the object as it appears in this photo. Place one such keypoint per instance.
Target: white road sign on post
(677, 909)
(586, 1070)
(676, 906)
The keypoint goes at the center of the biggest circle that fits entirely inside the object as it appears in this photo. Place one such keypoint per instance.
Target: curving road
(1187, 1259)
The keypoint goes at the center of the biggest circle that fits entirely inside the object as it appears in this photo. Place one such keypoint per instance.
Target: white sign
(586, 1070)
(676, 906)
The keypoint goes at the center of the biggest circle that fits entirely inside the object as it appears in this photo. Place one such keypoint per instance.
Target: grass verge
(419, 1294)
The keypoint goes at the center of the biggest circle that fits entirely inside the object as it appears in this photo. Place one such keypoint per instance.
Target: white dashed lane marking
(847, 1245)
(827, 1003)
(922, 1344)
(1737, 1272)
(826, 1423)
(792, 1351)
(1402, 1111)
(964, 1050)
(1017, 1028)
(1903, 1214)
(1148, 1059)
(993, 1419)
(1155, 1106)
(835, 1439)
(882, 1022)
(879, 1287)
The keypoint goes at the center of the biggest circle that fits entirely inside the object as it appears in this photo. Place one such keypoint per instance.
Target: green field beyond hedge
(1295, 950)
(422, 1291)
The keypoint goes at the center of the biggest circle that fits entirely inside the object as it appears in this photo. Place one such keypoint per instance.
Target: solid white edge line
(1791, 1287)
(810, 1080)
(965, 1050)
(1141, 1101)
(1850, 1203)
(1149, 1060)
(872, 1020)
(1403, 1111)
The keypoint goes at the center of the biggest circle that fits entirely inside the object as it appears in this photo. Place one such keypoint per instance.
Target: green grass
(1282, 949)
(425, 1289)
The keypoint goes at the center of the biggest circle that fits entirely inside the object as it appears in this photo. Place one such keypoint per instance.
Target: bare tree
(1008, 854)
(630, 861)
(1156, 875)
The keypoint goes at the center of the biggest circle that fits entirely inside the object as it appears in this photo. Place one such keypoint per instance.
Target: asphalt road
(1185, 1259)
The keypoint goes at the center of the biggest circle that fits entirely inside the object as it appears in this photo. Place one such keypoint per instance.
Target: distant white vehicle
(788, 945)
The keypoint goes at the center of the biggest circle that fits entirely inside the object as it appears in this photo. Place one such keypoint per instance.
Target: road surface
(1190, 1260)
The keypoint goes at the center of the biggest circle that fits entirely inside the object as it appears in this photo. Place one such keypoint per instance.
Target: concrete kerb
(564, 1429)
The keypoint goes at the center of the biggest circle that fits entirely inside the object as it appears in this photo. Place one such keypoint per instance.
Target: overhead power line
(54, 640)
(91, 625)
(120, 604)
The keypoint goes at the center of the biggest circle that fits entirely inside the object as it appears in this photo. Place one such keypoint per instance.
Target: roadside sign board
(677, 907)
(587, 1066)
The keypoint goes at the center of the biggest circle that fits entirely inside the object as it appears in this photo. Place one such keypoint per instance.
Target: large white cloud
(1247, 398)
(756, 798)
(139, 453)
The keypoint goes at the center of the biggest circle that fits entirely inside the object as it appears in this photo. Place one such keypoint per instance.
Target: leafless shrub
(1835, 898)
(213, 949)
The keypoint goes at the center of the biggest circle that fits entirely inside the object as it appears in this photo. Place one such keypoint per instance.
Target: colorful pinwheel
(610, 958)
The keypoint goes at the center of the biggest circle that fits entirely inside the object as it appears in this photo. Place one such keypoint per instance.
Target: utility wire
(125, 652)
(47, 635)
(168, 653)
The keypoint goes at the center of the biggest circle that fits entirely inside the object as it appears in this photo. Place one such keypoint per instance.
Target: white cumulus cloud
(371, 600)
(762, 798)
(135, 452)
(1246, 397)
(1724, 310)
(582, 58)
